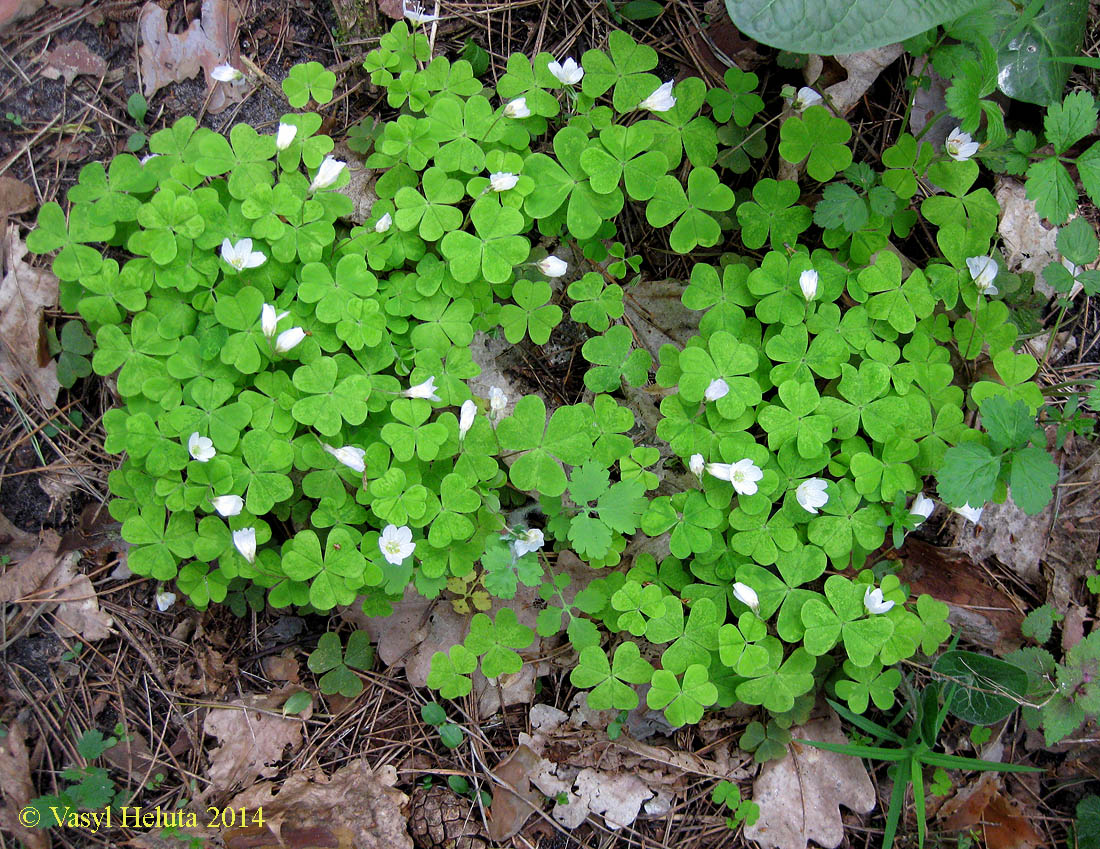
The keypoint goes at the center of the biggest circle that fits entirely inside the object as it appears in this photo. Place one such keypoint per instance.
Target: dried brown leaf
(252, 741)
(70, 60)
(45, 578)
(208, 42)
(24, 292)
(355, 808)
(15, 197)
(863, 69)
(800, 795)
(983, 805)
(79, 612)
(511, 808)
(16, 787)
(982, 613)
(16, 10)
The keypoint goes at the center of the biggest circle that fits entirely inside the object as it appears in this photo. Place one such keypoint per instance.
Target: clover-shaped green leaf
(625, 70)
(773, 213)
(694, 226)
(683, 700)
(614, 359)
(821, 137)
(494, 642)
(306, 80)
(450, 672)
(609, 684)
(566, 438)
(530, 315)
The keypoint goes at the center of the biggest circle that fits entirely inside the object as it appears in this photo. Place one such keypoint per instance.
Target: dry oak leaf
(208, 42)
(16, 788)
(24, 292)
(982, 805)
(253, 736)
(42, 577)
(800, 795)
(512, 807)
(70, 60)
(15, 196)
(863, 69)
(354, 808)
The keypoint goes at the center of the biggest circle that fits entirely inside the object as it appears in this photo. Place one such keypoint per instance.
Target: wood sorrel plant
(295, 412)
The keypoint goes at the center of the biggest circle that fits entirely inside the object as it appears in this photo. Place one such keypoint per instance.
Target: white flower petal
(327, 174)
(225, 74)
(289, 339)
(807, 282)
(502, 181)
(806, 98)
(200, 447)
(528, 541)
(396, 544)
(466, 416)
(747, 596)
(873, 602)
(811, 494)
(228, 505)
(423, 390)
(661, 100)
(717, 388)
(285, 136)
(517, 108)
(567, 72)
(244, 541)
(553, 266)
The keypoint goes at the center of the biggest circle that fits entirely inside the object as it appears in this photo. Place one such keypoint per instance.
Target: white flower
(553, 266)
(423, 390)
(383, 224)
(960, 146)
(528, 541)
(200, 447)
(806, 98)
(971, 514)
(285, 136)
(244, 541)
(873, 601)
(517, 108)
(148, 157)
(327, 174)
(226, 74)
(415, 13)
(288, 339)
(502, 181)
(746, 595)
(228, 505)
(269, 320)
(807, 282)
(743, 475)
(716, 389)
(497, 401)
(983, 270)
(811, 494)
(661, 100)
(241, 255)
(466, 418)
(922, 506)
(566, 73)
(396, 543)
(697, 465)
(164, 600)
(350, 455)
